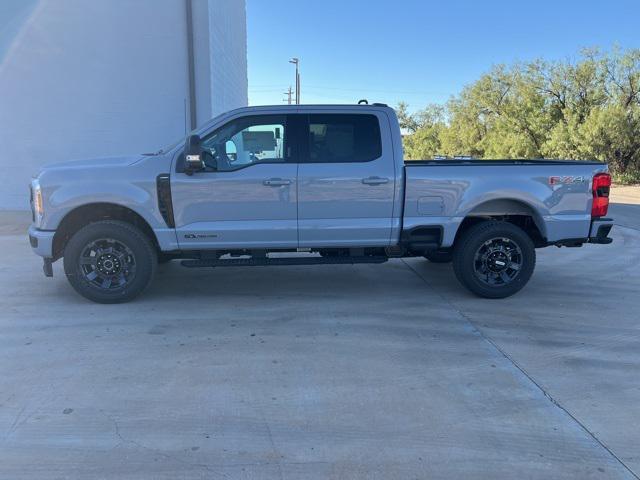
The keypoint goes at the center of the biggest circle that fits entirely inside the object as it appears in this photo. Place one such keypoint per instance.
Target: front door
(345, 182)
(247, 195)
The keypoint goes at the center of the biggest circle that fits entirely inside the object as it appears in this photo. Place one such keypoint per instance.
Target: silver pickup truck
(306, 185)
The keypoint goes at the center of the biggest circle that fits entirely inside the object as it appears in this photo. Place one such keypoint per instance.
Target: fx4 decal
(568, 180)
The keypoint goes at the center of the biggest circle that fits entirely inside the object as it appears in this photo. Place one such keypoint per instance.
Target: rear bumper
(41, 241)
(600, 229)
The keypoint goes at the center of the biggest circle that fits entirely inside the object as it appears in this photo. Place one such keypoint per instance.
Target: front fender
(68, 198)
(133, 187)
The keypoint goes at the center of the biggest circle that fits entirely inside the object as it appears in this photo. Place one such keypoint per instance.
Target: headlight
(38, 207)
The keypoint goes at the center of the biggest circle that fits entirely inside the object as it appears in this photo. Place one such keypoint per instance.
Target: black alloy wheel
(498, 261)
(107, 263)
(110, 261)
(494, 259)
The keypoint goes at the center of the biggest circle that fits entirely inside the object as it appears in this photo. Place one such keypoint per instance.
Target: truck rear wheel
(109, 261)
(494, 259)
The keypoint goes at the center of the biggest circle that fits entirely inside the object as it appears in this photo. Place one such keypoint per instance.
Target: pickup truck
(308, 185)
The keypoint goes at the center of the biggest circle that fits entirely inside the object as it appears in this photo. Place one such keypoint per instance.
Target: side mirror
(193, 154)
(231, 151)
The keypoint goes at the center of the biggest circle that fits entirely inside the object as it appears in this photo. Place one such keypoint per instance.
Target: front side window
(342, 138)
(246, 141)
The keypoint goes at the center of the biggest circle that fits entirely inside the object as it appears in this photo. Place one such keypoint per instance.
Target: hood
(122, 161)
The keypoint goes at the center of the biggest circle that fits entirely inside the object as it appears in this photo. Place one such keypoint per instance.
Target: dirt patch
(629, 194)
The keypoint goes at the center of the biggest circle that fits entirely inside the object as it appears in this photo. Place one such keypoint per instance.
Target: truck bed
(500, 161)
(556, 193)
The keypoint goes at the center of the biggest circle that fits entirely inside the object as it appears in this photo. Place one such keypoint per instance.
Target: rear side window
(343, 138)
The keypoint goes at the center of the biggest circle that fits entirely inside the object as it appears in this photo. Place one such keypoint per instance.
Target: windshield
(173, 145)
(170, 147)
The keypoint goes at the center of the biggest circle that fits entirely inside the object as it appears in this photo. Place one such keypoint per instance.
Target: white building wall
(228, 43)
(81, 79)
(202, 57)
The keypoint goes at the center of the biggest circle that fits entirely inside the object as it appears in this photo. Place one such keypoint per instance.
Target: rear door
(345, 180)
(247, 195)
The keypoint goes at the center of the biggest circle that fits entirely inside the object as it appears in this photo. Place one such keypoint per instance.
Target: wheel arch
(94, 212)
(515, 211)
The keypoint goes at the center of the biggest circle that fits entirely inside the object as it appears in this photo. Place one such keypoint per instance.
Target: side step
(287, 261)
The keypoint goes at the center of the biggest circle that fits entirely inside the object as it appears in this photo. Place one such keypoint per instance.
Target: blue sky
(12, 15)
(417, 51)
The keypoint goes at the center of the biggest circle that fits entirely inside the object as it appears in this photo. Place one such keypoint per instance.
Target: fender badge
(568, 180)
(192, 236)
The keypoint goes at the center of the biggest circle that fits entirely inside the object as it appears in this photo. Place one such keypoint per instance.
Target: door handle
(276, 182)
(375, 180)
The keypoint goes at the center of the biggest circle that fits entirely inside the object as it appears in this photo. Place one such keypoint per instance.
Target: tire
(438, 256)
(109, 261)
(494, 259)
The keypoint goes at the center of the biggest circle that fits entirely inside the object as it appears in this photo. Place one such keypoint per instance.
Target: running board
(286, 261)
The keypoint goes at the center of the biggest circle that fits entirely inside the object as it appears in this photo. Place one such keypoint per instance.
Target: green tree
(589, 108)
(425, 128)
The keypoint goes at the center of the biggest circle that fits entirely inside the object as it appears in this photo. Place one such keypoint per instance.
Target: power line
(383, 90)
(265, 90)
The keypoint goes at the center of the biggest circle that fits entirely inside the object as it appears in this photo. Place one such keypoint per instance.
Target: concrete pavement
(625, 206)
(389, 371)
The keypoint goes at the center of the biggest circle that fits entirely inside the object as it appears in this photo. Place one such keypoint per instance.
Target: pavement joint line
(273, 447)
(627, 226)
(155, 451)
(555, 402)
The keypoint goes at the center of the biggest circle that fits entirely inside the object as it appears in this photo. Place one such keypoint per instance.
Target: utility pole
(288, 93)
(191, 69)
(296, 62)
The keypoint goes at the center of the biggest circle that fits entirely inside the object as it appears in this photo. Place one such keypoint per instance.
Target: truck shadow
(320, 283)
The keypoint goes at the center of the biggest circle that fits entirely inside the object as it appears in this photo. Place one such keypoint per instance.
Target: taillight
(601, 186)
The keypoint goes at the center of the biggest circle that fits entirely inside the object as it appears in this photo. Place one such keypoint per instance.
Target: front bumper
(41, 241)
(600, 229)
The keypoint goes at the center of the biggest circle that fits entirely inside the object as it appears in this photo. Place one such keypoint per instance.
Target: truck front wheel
(109, 261)
(494, 259)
